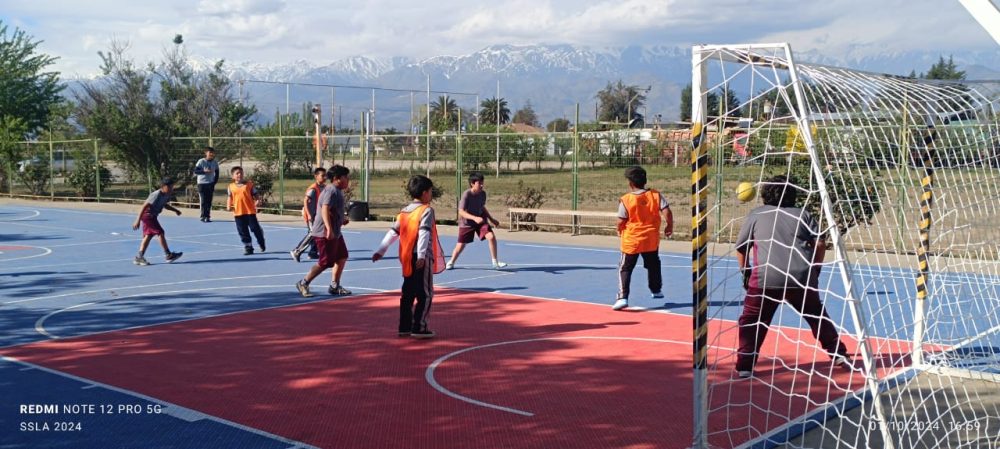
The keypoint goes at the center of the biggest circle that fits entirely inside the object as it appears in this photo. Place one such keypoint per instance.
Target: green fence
(573, 171)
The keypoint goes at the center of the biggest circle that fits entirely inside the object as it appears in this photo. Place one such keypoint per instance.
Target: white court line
(596, 250)
(132, 287)
(474, 279)
(45, 253)
(429, 373)
(174, 408)
(40, 323)
(40, 328)
(36, 213)
(98, 262)
(71, 211)
(50, 227)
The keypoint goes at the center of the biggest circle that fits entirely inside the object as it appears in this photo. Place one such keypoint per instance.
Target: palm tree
(444, 113)
(489, 111)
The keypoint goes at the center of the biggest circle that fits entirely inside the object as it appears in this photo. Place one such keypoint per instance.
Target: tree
(732, 104)
(559, 125)
(140, 127)
(619, 103)
(944, 71)
(27, 89)
(526, 115)
(444, 114)
(489, 108)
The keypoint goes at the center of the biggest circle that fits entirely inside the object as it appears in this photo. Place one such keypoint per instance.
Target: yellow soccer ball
(746, 191)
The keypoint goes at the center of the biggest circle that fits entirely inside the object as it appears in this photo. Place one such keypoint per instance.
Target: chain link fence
(565, 171)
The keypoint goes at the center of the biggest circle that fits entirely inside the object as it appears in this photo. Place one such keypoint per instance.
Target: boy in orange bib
(420, 255)
(243, 200)
(639, 219)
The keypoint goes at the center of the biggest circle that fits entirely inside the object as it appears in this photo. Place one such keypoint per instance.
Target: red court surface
(334, 374)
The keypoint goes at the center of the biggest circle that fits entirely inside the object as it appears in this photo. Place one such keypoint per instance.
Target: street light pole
(634, 97)
(428, 122)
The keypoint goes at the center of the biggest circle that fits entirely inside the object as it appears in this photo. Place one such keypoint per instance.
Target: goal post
(900, 179)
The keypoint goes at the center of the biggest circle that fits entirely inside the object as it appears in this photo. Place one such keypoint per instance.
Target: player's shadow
(34, 273)
(28, 237)
(235, 259)
(574, 327)
(671, 305)
(550, 270)
(489, 290)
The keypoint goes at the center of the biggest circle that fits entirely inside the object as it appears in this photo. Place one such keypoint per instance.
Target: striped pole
(699, 248)
(926, 201)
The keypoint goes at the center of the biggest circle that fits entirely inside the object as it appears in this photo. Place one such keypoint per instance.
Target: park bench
(519, 217)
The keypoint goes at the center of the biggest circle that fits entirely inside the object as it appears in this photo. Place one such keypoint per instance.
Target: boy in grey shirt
(207, 169)
(474, 220)
(787, 255)
(326, 233)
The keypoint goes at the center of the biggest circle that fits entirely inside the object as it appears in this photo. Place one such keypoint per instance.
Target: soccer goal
(902, 177)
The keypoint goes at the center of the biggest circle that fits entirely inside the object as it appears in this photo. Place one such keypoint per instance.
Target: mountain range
(553, 78)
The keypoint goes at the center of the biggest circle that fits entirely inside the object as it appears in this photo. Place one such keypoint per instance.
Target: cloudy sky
(279, 31)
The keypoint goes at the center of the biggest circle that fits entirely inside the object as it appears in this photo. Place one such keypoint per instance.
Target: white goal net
(898, 179)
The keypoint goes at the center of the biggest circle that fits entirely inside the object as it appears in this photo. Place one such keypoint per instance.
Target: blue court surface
(69, 273)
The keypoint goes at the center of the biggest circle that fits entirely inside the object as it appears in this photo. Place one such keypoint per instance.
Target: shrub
(526, 197)
(82, 178)
(36, 177)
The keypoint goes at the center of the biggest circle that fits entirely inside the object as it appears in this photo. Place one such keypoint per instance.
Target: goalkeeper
(788, 253)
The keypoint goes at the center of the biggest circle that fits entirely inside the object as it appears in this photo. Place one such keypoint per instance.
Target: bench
(517, 217)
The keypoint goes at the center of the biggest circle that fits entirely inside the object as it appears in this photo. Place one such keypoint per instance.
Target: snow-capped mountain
(553, 78)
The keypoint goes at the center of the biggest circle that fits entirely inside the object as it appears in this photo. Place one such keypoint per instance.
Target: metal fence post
(459, 164)
(576, 166)
(52, 174)
(281, 175)
(97, 167)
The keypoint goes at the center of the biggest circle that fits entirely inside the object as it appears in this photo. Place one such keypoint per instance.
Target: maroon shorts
(467, 235)
(151, 225)
(330, 251)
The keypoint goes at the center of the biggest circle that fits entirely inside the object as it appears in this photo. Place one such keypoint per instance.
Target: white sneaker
(621, 303)
(744, 374)
(843, 362)
(498, 265)
(449, 266)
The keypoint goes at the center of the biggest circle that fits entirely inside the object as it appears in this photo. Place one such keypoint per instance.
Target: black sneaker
(202, 219)
(404, 333)
(423, 334)
(314, 256)
(303, 289)
(248, 250)
(174, 256)
(338, 291)
(263, 248)
(208, 220)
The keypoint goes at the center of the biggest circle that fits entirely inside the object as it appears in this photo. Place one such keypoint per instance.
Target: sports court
(219, 350)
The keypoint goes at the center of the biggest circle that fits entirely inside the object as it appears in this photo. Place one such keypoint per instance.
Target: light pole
(427, 136)
(634, 97)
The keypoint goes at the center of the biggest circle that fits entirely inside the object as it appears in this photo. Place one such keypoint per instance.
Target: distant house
(521, 128)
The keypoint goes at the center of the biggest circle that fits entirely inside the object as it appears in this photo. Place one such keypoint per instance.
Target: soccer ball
(745, 191)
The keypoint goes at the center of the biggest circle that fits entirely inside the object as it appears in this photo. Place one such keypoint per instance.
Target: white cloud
(271, 31)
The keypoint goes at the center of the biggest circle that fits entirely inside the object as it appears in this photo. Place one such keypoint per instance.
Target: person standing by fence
(207, 170)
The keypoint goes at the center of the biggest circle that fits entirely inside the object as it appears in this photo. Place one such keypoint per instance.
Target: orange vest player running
(639, 214)
(420, 255)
